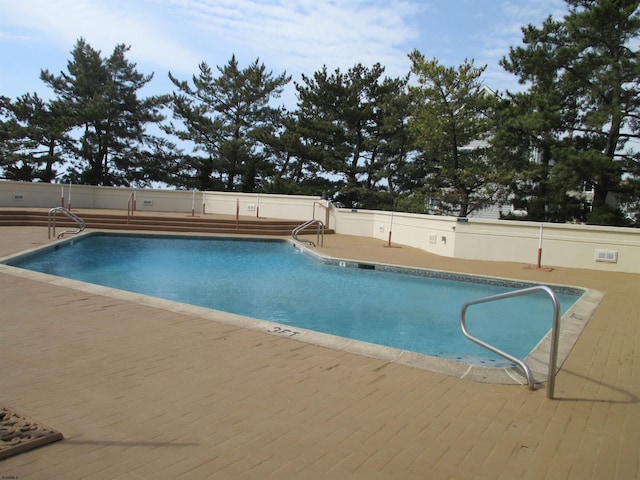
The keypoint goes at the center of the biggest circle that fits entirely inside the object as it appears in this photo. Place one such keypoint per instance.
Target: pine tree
(101, 98)
(353, 128)
(226, 117)
(584, 73)
(453, 128)
(38, 134)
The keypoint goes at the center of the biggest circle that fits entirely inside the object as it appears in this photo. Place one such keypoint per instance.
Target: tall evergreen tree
(525, 145)
(452, 125)
(9, 133)
(584, 71)
(352, 128)
(12, 138)
(398, 144)
(38, 133)
(227, 118)
(101, 97)
(296, 163)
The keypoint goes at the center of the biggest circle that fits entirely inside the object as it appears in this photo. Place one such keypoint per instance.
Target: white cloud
(102, 24)
(303, 35)
(299, 36)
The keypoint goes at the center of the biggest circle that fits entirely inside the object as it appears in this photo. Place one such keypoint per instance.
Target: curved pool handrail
(308, 223)
(51, 221)
(555, 333)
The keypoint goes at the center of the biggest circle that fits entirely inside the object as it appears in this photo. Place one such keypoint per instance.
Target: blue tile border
(440, 274)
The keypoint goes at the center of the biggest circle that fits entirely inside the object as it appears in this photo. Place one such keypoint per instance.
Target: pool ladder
(553, 352)
(51, 221)
(319, 232)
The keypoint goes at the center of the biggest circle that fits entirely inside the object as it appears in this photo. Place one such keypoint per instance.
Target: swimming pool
(271, 280)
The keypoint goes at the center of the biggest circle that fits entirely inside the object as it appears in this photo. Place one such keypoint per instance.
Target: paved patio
(145, 392)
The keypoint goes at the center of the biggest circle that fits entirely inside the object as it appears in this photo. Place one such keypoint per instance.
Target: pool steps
(168, 222)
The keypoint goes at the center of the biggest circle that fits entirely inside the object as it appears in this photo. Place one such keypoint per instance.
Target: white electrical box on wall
(251, 208)
(608, 256)
(433, 238)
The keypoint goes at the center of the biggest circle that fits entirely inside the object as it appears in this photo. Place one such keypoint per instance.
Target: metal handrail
(308, 223)
(555, 333)
(326, 211)
(51, 221)
(131, 205)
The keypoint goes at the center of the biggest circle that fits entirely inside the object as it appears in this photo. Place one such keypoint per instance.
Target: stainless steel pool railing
(319, 232)
(555, 333)
(131, 205)
(51, 221)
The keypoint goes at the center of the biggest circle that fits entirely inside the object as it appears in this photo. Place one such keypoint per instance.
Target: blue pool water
(274, 281)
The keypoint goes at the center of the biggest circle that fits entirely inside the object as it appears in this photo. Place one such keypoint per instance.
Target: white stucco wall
(46, 195)
(563, 245)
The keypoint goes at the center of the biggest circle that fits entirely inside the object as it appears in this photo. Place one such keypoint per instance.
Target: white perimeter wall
(563, 245)
(46, 195)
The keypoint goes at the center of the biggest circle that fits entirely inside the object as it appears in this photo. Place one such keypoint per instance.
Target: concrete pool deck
(144, 392)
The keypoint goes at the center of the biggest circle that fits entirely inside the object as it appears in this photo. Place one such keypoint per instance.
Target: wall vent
(608, 256)
(18, 197)
(251, 208)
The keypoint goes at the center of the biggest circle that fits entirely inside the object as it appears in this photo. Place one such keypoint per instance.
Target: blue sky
(296, 36)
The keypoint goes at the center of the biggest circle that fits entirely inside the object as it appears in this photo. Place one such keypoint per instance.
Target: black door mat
(19, 434)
